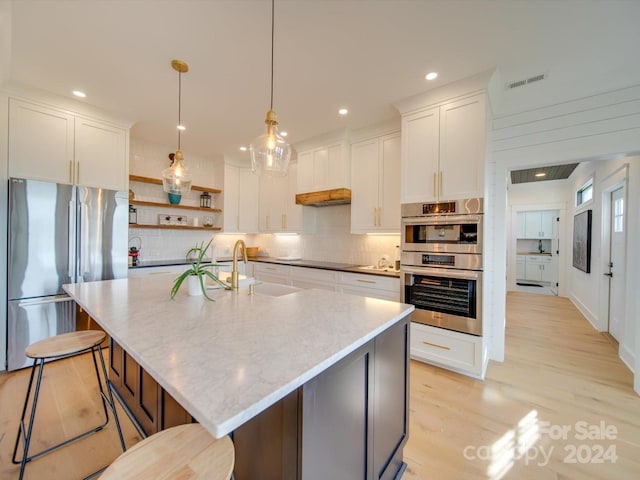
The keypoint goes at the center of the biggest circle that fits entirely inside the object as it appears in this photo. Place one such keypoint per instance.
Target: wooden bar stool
(185, 452)
(62, 346)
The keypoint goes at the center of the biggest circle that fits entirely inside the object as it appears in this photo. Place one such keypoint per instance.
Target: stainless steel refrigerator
(57, 234)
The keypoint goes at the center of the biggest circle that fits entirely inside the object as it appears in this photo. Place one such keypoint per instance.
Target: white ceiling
(362, 54)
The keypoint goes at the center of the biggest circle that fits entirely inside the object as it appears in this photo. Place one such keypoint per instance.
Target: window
(585, 194)
(618, 215)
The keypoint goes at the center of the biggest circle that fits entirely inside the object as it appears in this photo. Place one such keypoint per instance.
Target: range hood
(324, 198)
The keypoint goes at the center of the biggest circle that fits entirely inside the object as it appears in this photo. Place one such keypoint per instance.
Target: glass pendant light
(270, 154)
(176, 179)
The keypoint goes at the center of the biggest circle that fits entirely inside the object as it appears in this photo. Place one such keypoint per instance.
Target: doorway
(617, 262)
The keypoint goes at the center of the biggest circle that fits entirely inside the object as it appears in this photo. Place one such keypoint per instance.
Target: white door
(617, 261)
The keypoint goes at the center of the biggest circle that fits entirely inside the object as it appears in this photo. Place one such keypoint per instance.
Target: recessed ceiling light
(431, 76)
(541, 174)
(78, 93)
(243, 148)
(284, 134)
(343, 111)
(182, 127)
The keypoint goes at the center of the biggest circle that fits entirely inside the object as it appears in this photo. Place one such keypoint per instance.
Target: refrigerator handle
(81, 238)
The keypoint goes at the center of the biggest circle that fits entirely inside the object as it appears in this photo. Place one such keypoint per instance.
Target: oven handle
(443, 272)
(441, 219)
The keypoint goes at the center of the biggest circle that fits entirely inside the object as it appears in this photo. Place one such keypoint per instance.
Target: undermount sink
(271, 289)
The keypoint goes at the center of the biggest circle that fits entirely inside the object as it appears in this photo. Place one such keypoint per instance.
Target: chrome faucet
(234, 271)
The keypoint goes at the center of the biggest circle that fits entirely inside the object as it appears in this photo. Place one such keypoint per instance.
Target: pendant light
(176, 179)
(270, 153)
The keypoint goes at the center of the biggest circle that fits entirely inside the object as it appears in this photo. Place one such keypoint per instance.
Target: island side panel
(391, 402)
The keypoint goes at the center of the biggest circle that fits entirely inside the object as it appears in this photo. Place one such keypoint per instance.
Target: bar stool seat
(57, 347)
(185, 452)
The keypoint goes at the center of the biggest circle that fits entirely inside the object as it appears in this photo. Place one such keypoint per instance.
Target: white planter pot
(193, 284)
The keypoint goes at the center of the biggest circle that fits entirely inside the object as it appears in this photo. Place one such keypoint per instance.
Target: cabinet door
(520, 263)
(335, 439)
(40, 143)
(419, 166)
(320, 168)
(248, 188)
(101, 155)
(462, 135)
(292, 211)
(231, 218)
(533, 269)
(305, 172)
(521, 225)
(533, 225)
(364, 186)
(339, 172)
(271, 197)
(389, 190)
(547, 218)
(546, 272)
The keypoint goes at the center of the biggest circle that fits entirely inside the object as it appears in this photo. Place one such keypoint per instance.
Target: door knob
(608, 274)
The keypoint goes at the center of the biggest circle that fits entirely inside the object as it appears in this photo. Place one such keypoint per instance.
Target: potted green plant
(197, 274)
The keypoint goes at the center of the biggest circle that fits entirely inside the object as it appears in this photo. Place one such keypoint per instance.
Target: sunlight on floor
(513, 445)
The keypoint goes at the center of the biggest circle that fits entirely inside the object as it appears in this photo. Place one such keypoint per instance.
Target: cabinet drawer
(454, 350)
(378, 282)
(149, 271)
(316, 274)
(269, 272)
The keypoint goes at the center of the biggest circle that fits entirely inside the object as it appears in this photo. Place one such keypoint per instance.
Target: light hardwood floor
(557, 372)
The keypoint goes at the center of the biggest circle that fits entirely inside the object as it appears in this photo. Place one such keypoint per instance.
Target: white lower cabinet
(152, 271)
(539, 268)
(520, 264)
(375, 286)
(272, 273)
(303, 277)
(452, 350)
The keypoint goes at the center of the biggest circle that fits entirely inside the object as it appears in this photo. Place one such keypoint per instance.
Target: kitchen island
(311, 385)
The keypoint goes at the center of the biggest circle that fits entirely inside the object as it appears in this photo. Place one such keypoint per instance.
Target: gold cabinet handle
(374, 216)
(365, 281)
(437, 346)
(78, 172)
(434, 183)
(70, 170)
(441, 182)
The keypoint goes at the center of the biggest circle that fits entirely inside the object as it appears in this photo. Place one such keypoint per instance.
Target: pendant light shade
(176, 179)
(270, 154)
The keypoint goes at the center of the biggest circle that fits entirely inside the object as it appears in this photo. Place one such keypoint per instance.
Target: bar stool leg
(110, 401)
(26, 438)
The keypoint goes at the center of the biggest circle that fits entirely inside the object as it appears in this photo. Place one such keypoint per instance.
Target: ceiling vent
(526, 81)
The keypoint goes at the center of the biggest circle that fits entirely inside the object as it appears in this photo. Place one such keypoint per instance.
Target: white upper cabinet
(443, 151)
(278, 209)
(241, 188)
(536, 224)
(323, 168)
(40, 143)
(100, 154)
(52, 145)
(375, 185)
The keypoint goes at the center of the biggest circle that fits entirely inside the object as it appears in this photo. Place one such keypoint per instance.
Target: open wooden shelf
(158, 181)
(173, 227)
(171, 205)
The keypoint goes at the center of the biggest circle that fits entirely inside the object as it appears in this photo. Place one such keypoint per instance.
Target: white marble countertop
(227, 361)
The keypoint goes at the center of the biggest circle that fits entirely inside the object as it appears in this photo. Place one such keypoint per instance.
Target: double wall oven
(441, 263)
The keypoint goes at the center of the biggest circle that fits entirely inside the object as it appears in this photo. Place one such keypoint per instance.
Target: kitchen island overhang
(227, 361)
